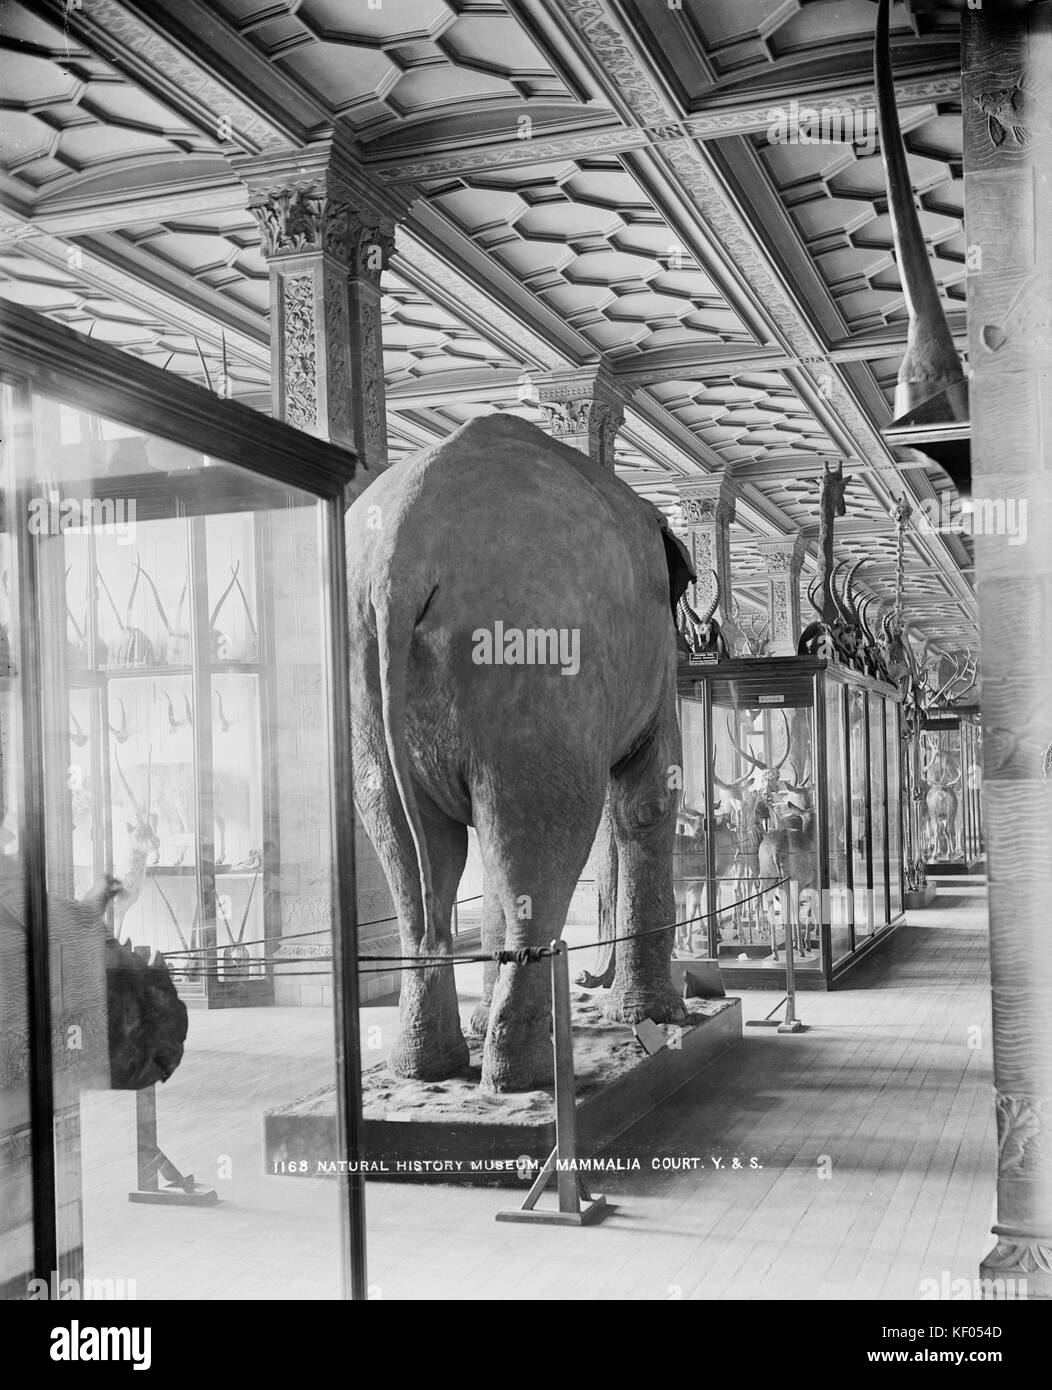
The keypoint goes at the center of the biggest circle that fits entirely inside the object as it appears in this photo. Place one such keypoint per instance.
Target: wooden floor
(866, 1148)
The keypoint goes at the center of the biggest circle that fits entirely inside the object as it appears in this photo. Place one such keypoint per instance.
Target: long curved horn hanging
(849, 600)
(930, 374)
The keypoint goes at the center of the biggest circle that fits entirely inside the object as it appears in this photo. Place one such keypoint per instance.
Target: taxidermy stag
(701, 631)
(463, 712)
(942, 775)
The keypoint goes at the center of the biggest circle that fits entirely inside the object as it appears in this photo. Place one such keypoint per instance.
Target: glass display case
(173, 715)
(789, 818)
(950, 763)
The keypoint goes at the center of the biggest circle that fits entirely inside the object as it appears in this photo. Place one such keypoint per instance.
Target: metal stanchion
(576, 1206)
(790, 1024)
(151, 1161)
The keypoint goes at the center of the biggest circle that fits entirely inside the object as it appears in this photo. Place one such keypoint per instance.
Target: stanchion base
(591, 1211)
(792, 1025)
(176, 1196)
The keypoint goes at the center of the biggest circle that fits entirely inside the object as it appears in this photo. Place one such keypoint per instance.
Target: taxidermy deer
(144, 846)
(942, 775)
(702, 632)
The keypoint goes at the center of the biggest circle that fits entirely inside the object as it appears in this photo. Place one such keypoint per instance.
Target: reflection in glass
(840, 898)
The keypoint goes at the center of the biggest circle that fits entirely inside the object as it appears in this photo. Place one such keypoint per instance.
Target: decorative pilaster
(326, 243)
(782, 560)
(1007, 60)
(584, 409)
(708, 506)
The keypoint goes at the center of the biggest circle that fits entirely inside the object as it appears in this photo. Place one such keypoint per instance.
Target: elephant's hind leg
(430, 1044)
(535, 860)
(643, 809)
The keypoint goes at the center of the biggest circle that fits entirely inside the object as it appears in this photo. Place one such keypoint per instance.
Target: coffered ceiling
(577, 181)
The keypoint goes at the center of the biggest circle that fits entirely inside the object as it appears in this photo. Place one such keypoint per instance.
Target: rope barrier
(525, 955)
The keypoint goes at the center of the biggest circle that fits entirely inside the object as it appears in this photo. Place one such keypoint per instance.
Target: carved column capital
(327, 237)
(708, 506)
(584, 408)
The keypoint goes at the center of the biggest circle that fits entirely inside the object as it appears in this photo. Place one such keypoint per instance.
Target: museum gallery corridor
(891, 1082)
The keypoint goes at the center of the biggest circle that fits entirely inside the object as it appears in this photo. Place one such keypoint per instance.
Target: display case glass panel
(858, 754)
(950, 769)
(797, 845)
(176, 777)
(893, 764)
(840, 897)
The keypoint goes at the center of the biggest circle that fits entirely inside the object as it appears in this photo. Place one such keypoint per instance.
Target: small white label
(772, 699)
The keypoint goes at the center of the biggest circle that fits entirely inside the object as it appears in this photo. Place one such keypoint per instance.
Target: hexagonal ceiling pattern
(68, 116)
(836, 195)
(587, 241)
(746, 417)
(377, 64)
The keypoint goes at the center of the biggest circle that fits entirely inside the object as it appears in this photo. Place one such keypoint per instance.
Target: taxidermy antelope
(702, 632)
(144, 846)
(755, 634)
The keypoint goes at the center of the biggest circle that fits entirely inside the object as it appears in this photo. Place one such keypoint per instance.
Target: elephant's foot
(518, 1055)
(427, 1056)
(633, 1003)
(430, 1045)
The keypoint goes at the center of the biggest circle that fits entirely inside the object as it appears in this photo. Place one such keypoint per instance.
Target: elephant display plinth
(513, 667)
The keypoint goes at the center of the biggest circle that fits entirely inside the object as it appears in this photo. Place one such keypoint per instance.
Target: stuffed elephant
(513, 667)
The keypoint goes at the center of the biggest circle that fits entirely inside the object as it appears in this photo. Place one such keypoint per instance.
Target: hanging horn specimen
(932, 389)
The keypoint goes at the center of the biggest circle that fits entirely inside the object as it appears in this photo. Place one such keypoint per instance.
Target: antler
(756, 762)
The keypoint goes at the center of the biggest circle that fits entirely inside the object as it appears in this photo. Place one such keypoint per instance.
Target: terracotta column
(583, 408)
(708, 507)
(326, 242)
(1007, 95)
(782, 560)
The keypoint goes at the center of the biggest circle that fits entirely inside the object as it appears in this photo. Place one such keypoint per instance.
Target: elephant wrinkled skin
(501, 528)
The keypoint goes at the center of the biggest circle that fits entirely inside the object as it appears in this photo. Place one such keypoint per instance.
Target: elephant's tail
(395, 621)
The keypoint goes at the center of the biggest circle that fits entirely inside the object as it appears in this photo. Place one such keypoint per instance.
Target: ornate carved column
(782, 560)
(708, 506)
(1007, 58)
(583, 408)
(326, 242)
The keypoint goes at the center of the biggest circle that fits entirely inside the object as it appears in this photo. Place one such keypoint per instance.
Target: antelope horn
(156, 597)
(849, 600)
(811, 593)
(837, 599)
(931, 363)
(134, 591)
(224, 596)
(707, 615)
(123, 726)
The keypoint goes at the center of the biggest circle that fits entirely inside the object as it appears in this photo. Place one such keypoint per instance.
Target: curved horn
(812, 590)
(706, 617)
(931, 363)
(837, 600)
(849, 600)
